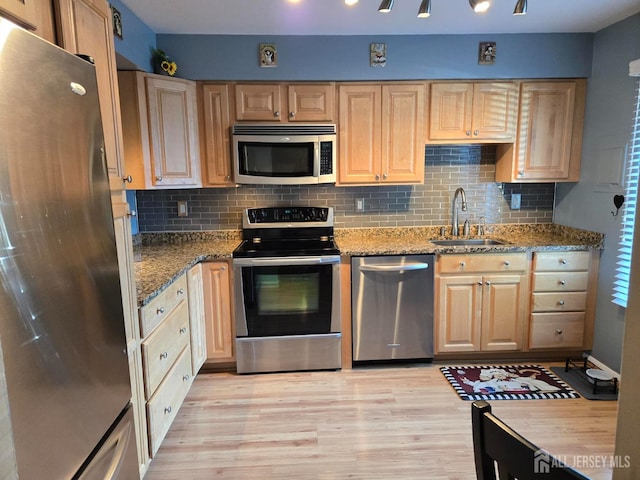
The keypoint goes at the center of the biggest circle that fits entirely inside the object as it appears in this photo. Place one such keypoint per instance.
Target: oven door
(287, 313)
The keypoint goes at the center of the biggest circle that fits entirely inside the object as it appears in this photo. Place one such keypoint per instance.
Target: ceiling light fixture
(521, 8)
(480, 6)
(425, 9)
(385, 6)
(350, 2)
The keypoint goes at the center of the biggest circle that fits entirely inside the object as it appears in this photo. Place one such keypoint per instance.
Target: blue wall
(235, 57)
(137, 38)
(609, 114)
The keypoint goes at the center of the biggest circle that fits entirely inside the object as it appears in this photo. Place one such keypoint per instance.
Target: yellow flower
(169, 67)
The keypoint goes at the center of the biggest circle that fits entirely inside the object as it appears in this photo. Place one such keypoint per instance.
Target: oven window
(287, 300)
(276, 159)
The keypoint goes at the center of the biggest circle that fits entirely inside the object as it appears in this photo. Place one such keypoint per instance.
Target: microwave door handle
(316, 160)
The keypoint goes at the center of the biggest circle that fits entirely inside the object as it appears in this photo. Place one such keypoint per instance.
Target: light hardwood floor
(399, 422)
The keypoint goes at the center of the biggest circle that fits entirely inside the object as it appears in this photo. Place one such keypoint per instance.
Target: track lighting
(521, 8)
(385, 6)
(480, 6)
(425, 9)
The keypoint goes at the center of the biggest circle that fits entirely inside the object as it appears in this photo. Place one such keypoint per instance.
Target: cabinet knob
(476, 132)
(385, 176)
(563, 261)
(167, 409)
(132, 213)
(562, 282)
(227, 178)
(462, 264)
(180, 291)
(158, 179)
(276, 114)
(560, 302)
(559, 332)
(292, 114)
(507, 263)
(487, 283)
(468, 133)
(127, 179)
(160, 311)
(163, 355)
(479, 283)
(223, 268)
(521, 173)
(183, 330)
(377, 177)
(185, 378)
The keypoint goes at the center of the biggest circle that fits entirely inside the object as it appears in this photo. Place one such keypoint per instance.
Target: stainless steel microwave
(284, 154)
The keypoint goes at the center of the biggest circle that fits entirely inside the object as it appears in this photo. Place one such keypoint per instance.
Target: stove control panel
(288, 214)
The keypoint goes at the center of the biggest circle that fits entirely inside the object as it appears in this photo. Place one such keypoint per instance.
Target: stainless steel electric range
(287, 284)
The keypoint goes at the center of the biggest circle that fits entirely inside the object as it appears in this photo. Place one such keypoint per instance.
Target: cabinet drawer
(556, 330)
(485, 262)
(165, 403)
(560, 261)
(560, 281)
(163, 346)
(157, 309)
(558, 302)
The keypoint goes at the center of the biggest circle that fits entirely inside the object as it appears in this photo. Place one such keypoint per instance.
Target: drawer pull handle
(167, 409)
(562, 282)
(561, 302)
(183, 330)
(160, 311)
(180, 291)
(163, 355)
(559, 332)
(507, 263)
(185, 378)
(563, 261)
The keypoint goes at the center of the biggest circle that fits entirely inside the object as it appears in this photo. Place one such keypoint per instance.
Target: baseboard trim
(602, 366)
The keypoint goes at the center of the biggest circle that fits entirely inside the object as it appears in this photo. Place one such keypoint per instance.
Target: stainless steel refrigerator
(61, 316)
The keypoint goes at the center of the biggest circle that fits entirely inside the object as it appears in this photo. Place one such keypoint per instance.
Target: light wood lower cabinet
(561, 309)
(218, 312)
(197, 321)
(480, 302)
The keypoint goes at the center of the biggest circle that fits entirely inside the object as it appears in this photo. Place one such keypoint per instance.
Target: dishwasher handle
(399, 267)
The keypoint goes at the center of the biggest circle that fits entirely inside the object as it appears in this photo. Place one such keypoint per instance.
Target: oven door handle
(285, 261)
(394, 268)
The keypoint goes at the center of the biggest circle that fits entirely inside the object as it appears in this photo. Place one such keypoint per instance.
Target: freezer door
(61, 317)
(117, 457)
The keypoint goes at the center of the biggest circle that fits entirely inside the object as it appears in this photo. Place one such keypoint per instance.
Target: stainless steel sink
(468, 242)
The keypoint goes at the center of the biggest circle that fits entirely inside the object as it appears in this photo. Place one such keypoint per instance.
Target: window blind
(623, 263)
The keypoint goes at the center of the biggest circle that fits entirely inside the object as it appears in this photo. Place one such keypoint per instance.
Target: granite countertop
(161, 258)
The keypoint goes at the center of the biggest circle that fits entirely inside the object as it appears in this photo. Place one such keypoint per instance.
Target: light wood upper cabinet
(474, 112)
(218, 314)
(215, 121)
(22, 12)
(160, 124)
(549, 139)
(281, 102)
(380, 134)
(84, 27)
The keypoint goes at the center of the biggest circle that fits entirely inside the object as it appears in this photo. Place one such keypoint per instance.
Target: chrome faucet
(454, 210)
(481, 224)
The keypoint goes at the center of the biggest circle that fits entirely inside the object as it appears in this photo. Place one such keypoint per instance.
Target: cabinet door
(495, 108)
(216, 161)
(458, 315)
(503, 299)
(450, 113)
(217, 308)
(197, 328)
(311, 102)
(402, 127)
(258, 102)
(173, 129)
(122, 228)
(22, 12)
(85, 27)
(360, 134)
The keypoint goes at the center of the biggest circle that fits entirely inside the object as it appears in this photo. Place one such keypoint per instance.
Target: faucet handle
(481, 224)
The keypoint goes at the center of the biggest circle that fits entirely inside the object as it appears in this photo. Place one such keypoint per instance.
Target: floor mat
(578, 381)
(506, 382)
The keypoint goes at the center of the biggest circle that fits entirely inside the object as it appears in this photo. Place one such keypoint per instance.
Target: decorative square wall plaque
(378, 54)
(487, 53)
(268, 55)
(117, 22)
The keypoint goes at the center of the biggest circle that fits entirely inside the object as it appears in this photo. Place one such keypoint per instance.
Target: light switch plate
(515, 201)
(359, 204)
(183, 209)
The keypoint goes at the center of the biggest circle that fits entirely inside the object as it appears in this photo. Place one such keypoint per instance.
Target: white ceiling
(333, 17)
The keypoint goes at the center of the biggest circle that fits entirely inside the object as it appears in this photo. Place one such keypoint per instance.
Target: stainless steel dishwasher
(392, 307)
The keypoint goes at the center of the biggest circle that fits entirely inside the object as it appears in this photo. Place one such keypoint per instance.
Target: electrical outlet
(183, 208)
(359, 204)
(515, 201)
